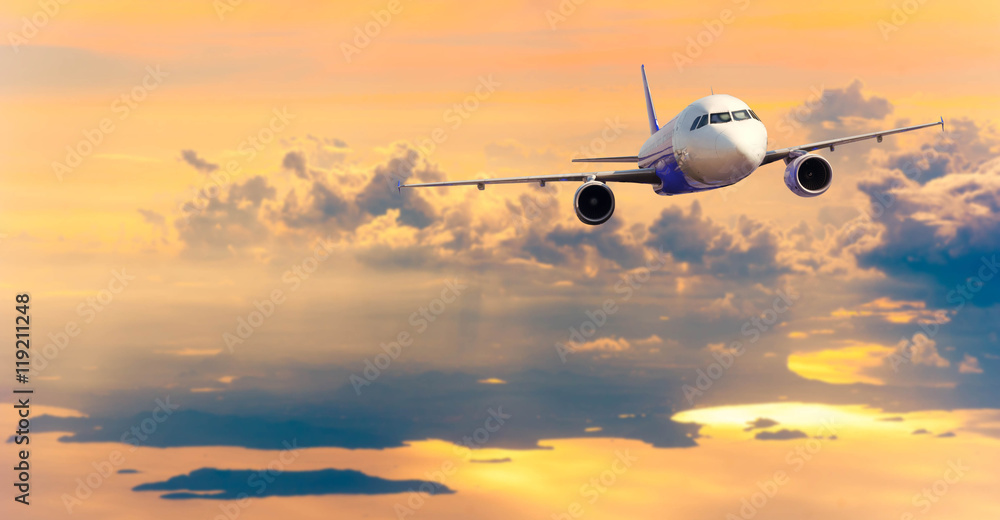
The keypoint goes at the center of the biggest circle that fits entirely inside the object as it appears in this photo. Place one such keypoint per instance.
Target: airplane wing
(627, 158)
(640, 175)
(776, 155)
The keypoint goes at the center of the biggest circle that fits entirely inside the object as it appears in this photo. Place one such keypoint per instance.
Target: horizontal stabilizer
(626, 159)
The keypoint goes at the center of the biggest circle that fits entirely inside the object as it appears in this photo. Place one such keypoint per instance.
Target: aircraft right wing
(776, 155)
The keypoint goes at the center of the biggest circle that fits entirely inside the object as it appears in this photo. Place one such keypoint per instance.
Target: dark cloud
(947, 434)
(946, 232)
(760, 423)
(921, 431)
(963, 148)
(222, 225)
(749, 250)
(322, 206)
(607, 239)
(397, 408)
(191, 157)
(221, 484)
(837, 103)
(891, 419)
(296, 162)
(491, 461)
(780, 435)
(127, 471)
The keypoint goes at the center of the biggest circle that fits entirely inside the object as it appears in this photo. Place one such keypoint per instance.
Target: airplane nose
(739, 150)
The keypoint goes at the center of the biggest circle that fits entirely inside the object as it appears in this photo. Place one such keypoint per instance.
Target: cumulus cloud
(969, 365)
(946, 231)
(296, 162)
(191, 157)
(835, 104)
(748, 250)
(921, 351)
(228, 223)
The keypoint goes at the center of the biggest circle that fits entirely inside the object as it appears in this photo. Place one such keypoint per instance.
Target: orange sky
(277, 74)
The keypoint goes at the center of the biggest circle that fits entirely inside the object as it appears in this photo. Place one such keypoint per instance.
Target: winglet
(942, 123)
(653, 126)
(399, 186)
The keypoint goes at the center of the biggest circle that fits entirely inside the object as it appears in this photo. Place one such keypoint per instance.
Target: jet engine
(594, 203)
(808, 175)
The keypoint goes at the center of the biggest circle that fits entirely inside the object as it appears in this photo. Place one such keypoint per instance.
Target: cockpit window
(741, 115)
(704, 121)
(695, 123)
(754, 114)
(721, 117)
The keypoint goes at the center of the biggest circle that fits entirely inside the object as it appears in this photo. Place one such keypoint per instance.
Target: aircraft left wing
(776, 155)
(640, 175)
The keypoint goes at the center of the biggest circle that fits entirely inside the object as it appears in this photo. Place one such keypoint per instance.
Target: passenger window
(721, 117)
(696, 121)
(741, 115)
(754, 114)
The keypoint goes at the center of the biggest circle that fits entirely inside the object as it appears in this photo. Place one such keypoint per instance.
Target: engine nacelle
(808, 175)
(594, 203)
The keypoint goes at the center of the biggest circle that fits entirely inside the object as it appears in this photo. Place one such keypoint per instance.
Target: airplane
(714, 142)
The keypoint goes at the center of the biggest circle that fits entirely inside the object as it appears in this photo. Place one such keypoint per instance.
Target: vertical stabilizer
(653, 125)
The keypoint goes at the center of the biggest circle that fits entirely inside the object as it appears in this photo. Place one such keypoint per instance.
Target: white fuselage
(714, 142)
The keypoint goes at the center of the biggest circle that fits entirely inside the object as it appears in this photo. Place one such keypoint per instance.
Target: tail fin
(653, 125)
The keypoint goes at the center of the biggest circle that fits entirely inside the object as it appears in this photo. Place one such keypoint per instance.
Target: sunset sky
(228, 295)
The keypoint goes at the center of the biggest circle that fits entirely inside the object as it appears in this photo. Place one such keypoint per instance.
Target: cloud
(295, 161)
(220, 484)
(946, 232)
(835, 104)
(534, 404)
(946, 435)
(921, 351)
(602, 345)
(969, 365)
(760, 423)
(920, 431)
(780, 435)
(191, 157)
(748, 250)
(228, 223)
(153, 217)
